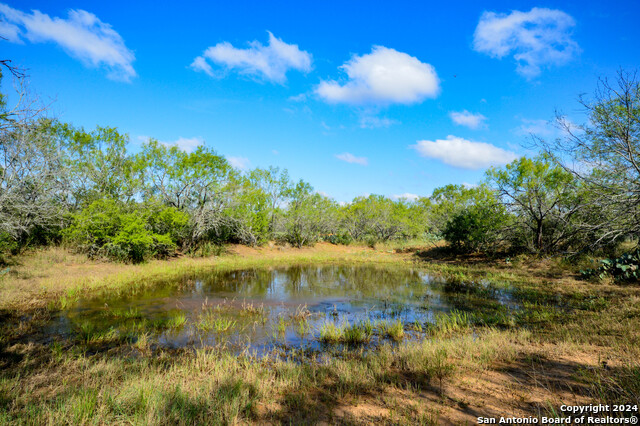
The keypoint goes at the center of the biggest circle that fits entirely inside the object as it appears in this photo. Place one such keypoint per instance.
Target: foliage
(97, 163)
(32, 185)
(607, 150)
(544, 199)
(195, 180)
(308, 217)
(447, 201)
(60, 180)
(477, 227)
(623, 268)
(378, 218)
(129, 233)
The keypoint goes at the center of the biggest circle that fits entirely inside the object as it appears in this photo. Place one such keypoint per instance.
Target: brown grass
(589, 355)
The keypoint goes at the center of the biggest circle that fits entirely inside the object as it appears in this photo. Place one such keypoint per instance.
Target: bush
(126, 233)
(8, 246)
(343, 238)
(623, 268)
(475, 228)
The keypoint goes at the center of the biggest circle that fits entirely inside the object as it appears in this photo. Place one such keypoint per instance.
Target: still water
(261, 310)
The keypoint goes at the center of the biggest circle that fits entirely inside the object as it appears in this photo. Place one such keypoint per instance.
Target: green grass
(177, 321)
(392, 329)
(209, 320)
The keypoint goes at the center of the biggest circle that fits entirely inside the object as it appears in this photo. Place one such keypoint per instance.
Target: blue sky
(353, 97)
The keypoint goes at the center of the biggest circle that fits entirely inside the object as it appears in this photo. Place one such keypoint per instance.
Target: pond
(307, 308)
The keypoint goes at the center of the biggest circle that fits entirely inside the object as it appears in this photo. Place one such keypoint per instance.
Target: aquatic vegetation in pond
(130, 313)
(89, 333)
(211, 321)
(331, 333)
(358, 333)
(301, 313)
(392, 329)
(253, 310)
(453, 322)
(177, 321)
(351, 334)
(294, 308)
(302, 328)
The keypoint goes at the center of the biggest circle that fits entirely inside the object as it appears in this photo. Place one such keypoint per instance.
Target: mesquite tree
(604, 155)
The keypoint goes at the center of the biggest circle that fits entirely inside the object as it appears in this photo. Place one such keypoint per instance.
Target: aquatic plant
(209, 321)
(357, 333)
(452, 322)
(330, 332)
(177, 321)
(393, 330)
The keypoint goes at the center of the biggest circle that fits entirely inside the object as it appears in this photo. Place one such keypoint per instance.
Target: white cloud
(536, 38)
(468, 119)
(372, 122)
(270, 62)
(384, 76)
(298, 98)
(82, 35)
(350, 158)
(241, 163)
(459, 152)
(406, 196)
(200, 64)
(186, 144)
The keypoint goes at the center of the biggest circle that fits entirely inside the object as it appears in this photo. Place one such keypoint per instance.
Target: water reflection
(265, 309)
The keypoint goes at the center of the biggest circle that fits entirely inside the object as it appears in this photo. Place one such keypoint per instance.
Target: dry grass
(588, 354)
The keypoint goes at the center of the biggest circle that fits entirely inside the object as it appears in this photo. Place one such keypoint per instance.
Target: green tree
(308, 216)
(128, 232)
(195, 180)
(98, 164)
(543, 198)
(479, 227)
(449, 200)
(604, 156)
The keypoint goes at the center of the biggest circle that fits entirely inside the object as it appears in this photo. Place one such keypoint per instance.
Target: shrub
(125, 233)
(475, 228)
(342, 238)
(623, 268)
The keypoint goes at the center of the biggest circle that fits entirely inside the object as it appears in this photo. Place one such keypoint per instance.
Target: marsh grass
(253, 310)
(209, 320)
(176, 321)
(392, 329)
(452, 322)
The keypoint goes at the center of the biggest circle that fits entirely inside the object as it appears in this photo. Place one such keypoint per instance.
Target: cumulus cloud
(406, 196)
(462, 153)
(536, 38)
(270, 62)
(384, 76)
(241, 163)
(82, 35)
(468, 119)
(350, 158)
